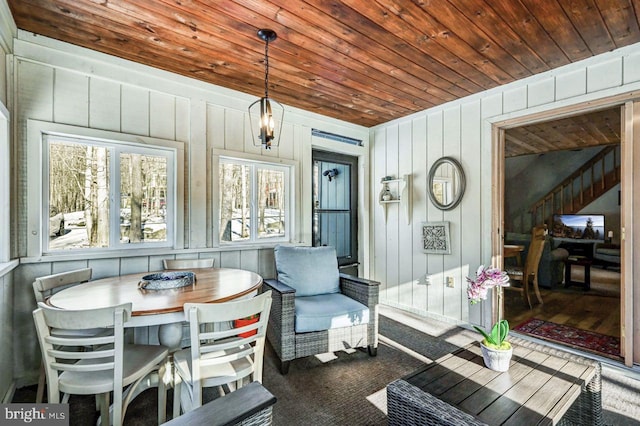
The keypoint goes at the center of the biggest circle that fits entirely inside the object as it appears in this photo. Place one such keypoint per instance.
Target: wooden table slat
(520, 393)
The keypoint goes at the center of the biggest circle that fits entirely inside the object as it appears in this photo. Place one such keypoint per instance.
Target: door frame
(630, 155)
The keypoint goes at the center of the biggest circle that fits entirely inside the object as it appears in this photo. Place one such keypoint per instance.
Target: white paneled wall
(63, 84)
(415, 281)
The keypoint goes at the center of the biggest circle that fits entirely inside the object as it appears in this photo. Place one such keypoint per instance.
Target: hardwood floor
(597, 310)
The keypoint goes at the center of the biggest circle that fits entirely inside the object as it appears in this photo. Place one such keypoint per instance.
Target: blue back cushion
(310, 270)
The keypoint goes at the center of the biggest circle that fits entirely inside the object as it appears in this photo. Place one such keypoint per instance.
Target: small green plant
(498, 336)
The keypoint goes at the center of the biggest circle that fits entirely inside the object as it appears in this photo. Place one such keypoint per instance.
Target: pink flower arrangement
(484, 280)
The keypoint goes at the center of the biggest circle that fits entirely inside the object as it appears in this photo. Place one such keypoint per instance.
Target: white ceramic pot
(496, 359)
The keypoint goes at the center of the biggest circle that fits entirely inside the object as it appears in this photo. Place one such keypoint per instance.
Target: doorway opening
(565, 175)
(335, 206)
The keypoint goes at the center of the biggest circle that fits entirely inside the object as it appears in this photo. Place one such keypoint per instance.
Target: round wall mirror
(446, 183)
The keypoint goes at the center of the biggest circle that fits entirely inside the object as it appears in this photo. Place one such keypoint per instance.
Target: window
(103, 194)
(254, 201)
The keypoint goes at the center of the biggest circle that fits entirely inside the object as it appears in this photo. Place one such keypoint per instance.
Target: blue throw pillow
(310, 270)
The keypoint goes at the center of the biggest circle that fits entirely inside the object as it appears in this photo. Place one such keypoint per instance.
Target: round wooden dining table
(159, 307)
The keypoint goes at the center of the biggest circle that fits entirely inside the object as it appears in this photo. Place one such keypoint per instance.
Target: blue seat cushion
(327, 311)
(309, 270)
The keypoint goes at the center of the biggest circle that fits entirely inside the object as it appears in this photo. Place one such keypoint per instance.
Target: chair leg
(177, 390)
(536, 289)
(284, 367)
(525, 292)
(41, 383)
(373, 351)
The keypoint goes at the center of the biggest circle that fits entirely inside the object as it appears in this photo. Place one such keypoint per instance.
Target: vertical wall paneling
(133, 265)
(71, 98)
(134, 112)
(419, 211)
(393, 216)
(34, 100)
(541, 92)
(435, 141)
(215, 126)
(68, 265)
(287, 140)
(571, 84)
(405, 230)
(250, 260)
(182, 119)
(267, 264)
(631, 70)
(198, 184)
(234, 130)
(470, 226)
(304, 176)
(378, 237)
(515, 99)
(103, 268)
(230, 259)
(451, 263)
(104, 104)
(604, 75)
(162, 115)
(26, 354)
(6, 333)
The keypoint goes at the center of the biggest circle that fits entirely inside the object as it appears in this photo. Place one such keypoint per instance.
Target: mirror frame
(463, 183)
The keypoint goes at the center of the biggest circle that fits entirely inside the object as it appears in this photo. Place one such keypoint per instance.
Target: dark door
(335, 214)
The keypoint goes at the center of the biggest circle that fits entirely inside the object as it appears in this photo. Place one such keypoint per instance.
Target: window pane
(270, 203)
(78, 196)
(235, 197)
(143, 190)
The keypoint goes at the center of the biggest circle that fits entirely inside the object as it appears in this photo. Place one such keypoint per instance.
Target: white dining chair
(188, 263)
(111, 366)
(229, 355)
(43, 287)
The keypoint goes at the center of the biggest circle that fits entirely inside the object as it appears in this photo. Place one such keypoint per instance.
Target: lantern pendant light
(264, 118)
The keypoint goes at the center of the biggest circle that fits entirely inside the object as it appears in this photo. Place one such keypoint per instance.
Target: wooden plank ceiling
(571, 133)
(362, 61)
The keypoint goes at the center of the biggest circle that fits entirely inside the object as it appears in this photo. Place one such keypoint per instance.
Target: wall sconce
(265, 112)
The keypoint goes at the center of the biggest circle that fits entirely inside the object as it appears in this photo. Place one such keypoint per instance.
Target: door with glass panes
(335, 215)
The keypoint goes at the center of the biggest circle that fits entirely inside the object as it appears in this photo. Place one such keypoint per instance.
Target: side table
(583, 261)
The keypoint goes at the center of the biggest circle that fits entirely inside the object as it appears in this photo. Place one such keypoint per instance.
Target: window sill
(6, 267)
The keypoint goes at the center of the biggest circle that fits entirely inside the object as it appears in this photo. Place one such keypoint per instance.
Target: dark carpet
(341, 391)
(348, 389)
(597, 343)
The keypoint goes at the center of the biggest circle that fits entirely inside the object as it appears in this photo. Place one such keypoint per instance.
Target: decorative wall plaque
(435, 238)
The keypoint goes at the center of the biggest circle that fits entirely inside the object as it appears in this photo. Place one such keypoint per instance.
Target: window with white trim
(102, 194)
(255, 201)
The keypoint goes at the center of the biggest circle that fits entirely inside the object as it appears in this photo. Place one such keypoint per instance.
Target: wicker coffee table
(542, 386)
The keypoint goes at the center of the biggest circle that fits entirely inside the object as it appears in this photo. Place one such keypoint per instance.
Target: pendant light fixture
(265, 112)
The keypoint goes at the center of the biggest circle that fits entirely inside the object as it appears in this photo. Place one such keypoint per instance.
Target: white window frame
(5, 185)
(38, 181)
(286, 166)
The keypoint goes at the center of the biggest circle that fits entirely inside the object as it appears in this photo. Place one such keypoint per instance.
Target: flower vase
(496, 359)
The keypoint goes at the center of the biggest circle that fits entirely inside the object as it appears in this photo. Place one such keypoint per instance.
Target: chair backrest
(63, 354)
(188, 263)
(44, 287)
(535, 252)
(224, 344)
(310, 270)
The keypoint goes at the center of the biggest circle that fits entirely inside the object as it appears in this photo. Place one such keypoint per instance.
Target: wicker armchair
(302, 323)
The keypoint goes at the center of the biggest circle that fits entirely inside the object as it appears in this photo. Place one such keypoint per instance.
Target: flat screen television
(578, 226)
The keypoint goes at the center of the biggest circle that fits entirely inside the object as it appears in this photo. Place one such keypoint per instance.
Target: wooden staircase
(590, 181)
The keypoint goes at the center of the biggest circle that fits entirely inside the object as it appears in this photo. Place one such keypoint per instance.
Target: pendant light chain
(266, 69)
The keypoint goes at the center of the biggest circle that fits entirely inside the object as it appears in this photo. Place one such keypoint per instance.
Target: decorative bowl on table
(167, 280)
